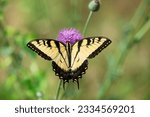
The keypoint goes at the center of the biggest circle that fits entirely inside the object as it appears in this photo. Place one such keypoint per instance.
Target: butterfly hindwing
(87, 48)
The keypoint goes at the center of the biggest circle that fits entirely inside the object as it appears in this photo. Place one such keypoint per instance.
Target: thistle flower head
(70, 35)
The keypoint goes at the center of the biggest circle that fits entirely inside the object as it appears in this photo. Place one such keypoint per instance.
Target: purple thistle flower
(70, 35)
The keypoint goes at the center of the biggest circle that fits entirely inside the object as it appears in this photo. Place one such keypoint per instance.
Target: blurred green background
(121, 71)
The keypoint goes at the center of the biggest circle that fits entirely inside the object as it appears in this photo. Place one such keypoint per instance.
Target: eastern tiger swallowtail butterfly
(69, 61)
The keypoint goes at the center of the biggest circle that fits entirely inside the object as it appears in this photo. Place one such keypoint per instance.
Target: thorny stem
(87, 22)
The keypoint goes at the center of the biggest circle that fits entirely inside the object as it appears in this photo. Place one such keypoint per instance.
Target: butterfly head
(69, 35)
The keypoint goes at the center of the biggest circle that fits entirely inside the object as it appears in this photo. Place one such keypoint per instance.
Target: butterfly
(69, 61)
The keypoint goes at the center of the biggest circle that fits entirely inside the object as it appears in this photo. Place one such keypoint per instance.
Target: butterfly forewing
(50, 49)
(87, 48)
(101, 42)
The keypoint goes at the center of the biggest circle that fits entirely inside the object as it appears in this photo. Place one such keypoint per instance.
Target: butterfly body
(69, 61)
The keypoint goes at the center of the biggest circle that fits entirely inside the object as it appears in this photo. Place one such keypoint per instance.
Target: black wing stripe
(39, 52)
(38, 41)
(49, 43)
(79, 45)
(43, 42)
(88, 42)
(58, 47)
(69, 54)
(104, 45)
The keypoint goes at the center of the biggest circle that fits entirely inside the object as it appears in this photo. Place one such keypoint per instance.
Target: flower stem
(142, 31)
(136, 17)
(115, 64)
(58, 89)
(87, 22)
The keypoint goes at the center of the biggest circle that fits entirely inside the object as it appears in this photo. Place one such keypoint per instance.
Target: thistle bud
(94, 5)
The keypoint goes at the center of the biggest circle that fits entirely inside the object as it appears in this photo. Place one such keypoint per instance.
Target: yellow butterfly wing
(50, 49)
(87, 48)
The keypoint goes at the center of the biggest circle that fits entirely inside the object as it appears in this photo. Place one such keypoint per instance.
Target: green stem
(139, 12)
(115, 70)
(58, 90)
(87, 22)
(142, 31)
(136, 38)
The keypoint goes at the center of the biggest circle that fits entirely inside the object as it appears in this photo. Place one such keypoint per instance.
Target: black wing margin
(37, 50)
(45, 47)
(103, 43)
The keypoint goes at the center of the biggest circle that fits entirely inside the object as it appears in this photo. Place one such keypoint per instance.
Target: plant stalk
(131, 39)
(58, 89)
(87, 22)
